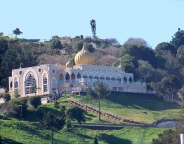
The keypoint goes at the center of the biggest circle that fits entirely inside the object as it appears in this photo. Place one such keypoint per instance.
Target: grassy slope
(14, 131)
(137, 107)
(146, 108)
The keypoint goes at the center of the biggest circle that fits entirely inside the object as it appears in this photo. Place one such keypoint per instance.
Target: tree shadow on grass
(111, 139)
(9, 141)
(88, 116)
(140, 101)
(32, 114)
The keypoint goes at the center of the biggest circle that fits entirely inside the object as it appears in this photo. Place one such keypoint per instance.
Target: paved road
(167, 124)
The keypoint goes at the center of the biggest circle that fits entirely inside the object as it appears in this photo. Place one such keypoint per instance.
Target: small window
(116, 71)
(104, 70)
(88, 69)
(20, 73)
(99, 70)
(110, 70)
(93, 69)
(39, 70)
(53, 71)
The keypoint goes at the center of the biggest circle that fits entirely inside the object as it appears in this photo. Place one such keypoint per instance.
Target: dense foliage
(134, 56)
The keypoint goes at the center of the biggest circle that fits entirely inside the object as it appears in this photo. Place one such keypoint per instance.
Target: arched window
(119, 79)
(125, 80)
(130, 80)
(102, 77)
(45, 89)
(78, 76)
(61, 79)
(85, 75)
(113, 79)
(90, 77)
(54, 84)
(73, 77)
(30, 81)
(16, 84)
(108, 78)
(67, 78)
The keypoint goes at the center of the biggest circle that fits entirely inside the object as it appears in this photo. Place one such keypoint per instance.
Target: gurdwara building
(69, 78)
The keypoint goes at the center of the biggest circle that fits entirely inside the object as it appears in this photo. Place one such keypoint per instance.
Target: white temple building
(71, 78)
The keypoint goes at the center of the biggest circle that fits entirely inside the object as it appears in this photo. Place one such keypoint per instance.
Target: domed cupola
(69, 64)
(84, 57)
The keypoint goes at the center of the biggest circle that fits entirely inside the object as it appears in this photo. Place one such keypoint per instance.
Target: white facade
(49, 78)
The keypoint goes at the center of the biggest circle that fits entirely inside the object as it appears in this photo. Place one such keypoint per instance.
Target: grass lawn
(144, 108)
(136, 107)
(22, 132)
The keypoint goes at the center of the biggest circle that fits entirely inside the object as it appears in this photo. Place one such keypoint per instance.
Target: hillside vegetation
(160, 67)
(147, 108)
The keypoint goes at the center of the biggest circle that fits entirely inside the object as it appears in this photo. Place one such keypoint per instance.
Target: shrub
(35, 101)
(7, 97)
(56, 104)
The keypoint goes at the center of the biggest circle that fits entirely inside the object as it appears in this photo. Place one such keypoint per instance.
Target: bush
(56, 104)
(21, 107)
(35, 101)
(7, 97)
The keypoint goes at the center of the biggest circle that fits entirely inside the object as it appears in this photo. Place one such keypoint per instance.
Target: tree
(100, 91)
(128, 59)
(171, 83)
(164, 46)
(172, 136)
(112, 41)
(77, 45)
(17, 32)
(76, 113)
(7, 97)
(167, 137)
(34, 88)
(56, 44)
(143, 53)
(52, 122)
(89, 47)
(93, 27)
(56, 104)
(35, 101)
(180, 54)
(178, 38)
(137, 41)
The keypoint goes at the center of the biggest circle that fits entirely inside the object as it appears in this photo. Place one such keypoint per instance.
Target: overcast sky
(153, 20)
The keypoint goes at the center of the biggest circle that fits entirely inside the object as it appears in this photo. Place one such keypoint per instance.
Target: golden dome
(69, 64)
(84, 57)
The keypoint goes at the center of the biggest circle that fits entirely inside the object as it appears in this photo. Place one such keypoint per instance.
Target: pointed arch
(119, 78)
(16, 82)
(78, 76)
(102, 77)
(61, 79)
(44, 82)
(91, 76)
(96, 77)
(29, 82)
(108, 78)
(53, 84)
(73, 77)
(125, 79)
(113, 78)
(67, 77)
(130, 80)
(85, 75)
(26, 74)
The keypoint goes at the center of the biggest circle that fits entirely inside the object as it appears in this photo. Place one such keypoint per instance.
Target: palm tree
(93, 27)
(17, 32)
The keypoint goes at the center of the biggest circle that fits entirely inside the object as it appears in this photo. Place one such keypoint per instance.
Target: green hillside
(147, 108)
